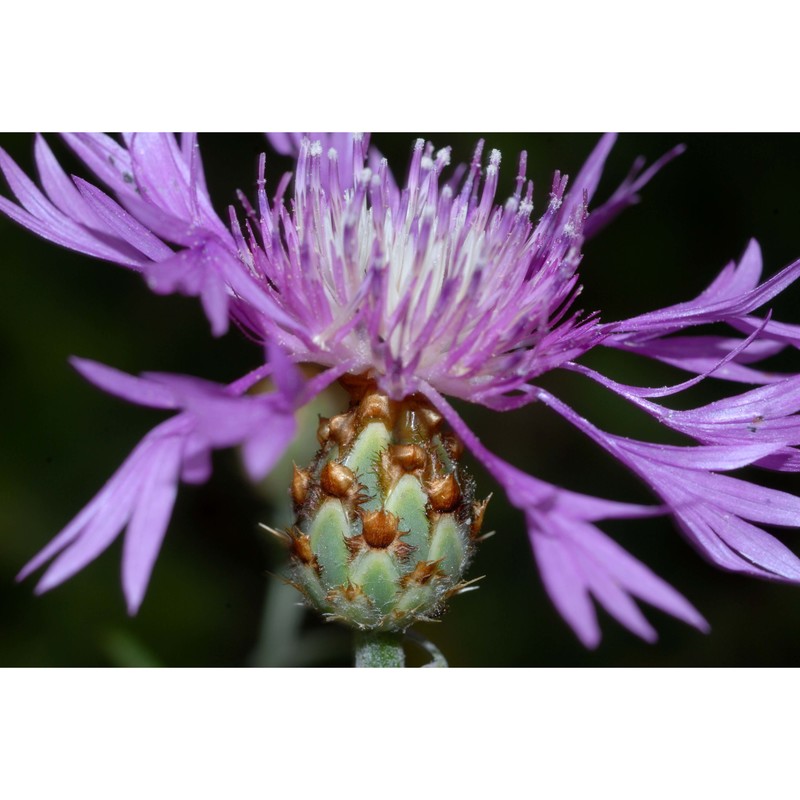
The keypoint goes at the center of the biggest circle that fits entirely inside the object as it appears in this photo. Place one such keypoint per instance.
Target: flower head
(430, 287)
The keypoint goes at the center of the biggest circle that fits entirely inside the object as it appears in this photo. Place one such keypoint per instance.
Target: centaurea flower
(424, 289)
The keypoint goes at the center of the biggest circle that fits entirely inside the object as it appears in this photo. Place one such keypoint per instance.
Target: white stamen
(419, 144)
(332, 154)
(315, 149)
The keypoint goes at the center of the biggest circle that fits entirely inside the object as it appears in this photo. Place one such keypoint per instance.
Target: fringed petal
(713, 510)
(577, 560)
(140, 496)
(733, 294)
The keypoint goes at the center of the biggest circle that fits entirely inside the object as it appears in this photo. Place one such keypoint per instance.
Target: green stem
(379, 649)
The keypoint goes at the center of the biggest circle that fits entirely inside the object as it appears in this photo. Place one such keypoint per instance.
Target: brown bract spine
(348, 591)
(376, 406)
(323, 430)
(412, 467)
(380, 528)
(453, 445)
(478, 510)
(336, 479)
(444, 494)
(423, 573)
(341, 429)
(409, 457)
(301, 480)
(431, 418)
(301, 547)
(357, 385)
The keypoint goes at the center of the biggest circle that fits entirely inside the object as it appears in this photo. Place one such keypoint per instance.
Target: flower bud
(388, 519)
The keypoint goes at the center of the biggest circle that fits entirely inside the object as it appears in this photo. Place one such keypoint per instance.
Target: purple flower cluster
(432, 287)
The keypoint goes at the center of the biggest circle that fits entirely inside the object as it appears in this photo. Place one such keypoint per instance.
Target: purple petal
(575, 558)
(566, 586)
(262, 450)
(695, 458)
(191, 155)
(59, 188)
(141, 391)
(712, 509)
(627, 193)
(737, 280)
(110, 511)
(705, 355)
(734, 293)
(106, 158)
(766, 415)
(197, 466)
(164, 178)
(43, 218)
(150, 518)
(288, 378)
(107, 500)
(284, 143)
(121, 223)
(736, 545)
(141, 494)
(633, 576)
(193, 273)
(777, 331)
(585, 184)
(732, 496)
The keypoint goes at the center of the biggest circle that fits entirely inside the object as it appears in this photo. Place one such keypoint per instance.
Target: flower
(432, 288)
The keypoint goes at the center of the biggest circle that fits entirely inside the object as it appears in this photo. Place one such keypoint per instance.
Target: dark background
(208, 602)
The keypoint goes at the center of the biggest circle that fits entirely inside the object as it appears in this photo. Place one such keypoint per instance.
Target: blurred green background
(213, 599)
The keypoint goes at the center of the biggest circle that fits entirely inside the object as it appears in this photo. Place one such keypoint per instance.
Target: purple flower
(432, 287)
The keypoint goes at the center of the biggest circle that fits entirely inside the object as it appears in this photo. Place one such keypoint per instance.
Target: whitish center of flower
(430, 279)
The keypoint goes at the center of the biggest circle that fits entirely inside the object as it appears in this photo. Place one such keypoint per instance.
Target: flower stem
(379, 649)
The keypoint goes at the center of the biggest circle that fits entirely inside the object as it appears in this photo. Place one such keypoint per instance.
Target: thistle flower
(408, 292)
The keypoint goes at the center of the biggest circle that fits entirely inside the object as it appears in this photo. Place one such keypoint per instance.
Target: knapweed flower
(408, 292)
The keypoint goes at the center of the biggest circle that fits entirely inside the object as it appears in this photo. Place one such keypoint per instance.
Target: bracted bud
(388, 519)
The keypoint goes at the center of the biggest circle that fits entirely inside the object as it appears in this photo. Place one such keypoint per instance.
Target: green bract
(386, 516)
